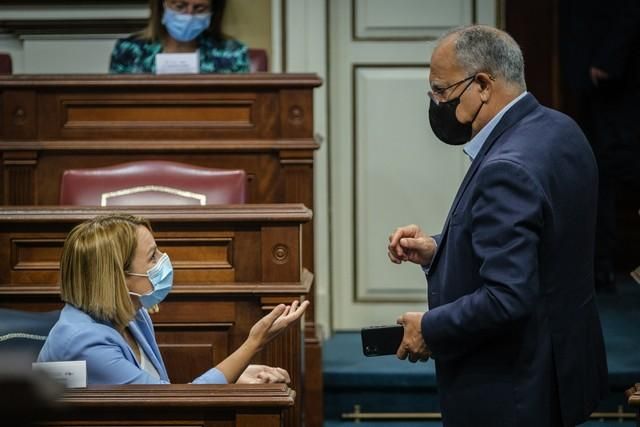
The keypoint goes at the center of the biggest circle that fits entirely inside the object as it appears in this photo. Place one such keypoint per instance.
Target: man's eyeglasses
(182, 6)
(438, 94)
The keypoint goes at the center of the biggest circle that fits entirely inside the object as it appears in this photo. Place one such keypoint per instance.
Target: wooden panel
(29, 258)
(19, 115)
(296, 113)
(86, 107)
(171, 405)
(407, 19)
(18, 175)
(35, 254)
(162, 115)
(175, 310)
(190, 349)
(298, 176)
(199, 258)
(245, 251)
(122, 114)
(280, 254)
(203, 252)
(253, 420)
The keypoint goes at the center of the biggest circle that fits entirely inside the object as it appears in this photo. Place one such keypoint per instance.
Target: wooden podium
(262, 123)
(232, 265)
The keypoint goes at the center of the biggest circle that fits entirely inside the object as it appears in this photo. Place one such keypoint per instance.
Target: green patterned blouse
(135, 55)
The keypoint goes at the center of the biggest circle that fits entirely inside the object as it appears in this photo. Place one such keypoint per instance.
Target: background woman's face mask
(185, 27)
(161, 278)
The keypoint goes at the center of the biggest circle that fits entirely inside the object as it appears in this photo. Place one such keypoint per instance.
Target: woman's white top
(146, 364)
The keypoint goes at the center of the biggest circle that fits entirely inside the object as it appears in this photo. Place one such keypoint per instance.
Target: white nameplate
(178, 63)
(70, 374)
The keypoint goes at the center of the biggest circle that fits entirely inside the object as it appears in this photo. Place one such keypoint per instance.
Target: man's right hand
(409, 243)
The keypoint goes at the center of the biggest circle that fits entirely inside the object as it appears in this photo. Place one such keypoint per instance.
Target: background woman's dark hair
(155, 31)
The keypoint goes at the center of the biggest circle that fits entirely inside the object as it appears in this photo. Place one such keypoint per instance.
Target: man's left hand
(413, 345)
(262, 374)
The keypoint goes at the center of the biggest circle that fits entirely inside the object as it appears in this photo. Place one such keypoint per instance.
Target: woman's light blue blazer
(110, 360)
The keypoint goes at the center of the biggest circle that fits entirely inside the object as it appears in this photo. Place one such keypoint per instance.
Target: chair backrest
(152, 182)
(24, 332)
(258, 60)
(6, 66)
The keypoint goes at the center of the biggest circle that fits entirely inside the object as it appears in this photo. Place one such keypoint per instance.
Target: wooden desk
(262, 123)
(232, 264)
(176, 405)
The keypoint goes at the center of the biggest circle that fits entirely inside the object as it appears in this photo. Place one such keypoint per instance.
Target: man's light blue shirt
(473, 147)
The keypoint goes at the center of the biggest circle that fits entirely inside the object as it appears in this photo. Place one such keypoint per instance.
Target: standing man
(512, 323)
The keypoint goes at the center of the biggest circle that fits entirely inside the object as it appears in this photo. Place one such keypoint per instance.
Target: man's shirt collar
(473, 147)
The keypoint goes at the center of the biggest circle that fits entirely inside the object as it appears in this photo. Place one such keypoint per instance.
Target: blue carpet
(386, 384)
(620, 314)
(383, 423)
(334, 423)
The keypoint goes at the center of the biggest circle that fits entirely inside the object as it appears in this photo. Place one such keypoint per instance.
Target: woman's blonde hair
(95, 256)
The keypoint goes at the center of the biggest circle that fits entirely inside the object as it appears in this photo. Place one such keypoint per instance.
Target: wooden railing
(177, 405)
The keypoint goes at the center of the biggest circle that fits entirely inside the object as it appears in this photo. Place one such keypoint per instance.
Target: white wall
(63, 53)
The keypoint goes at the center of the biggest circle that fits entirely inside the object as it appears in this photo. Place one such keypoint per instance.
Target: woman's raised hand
(274, 323)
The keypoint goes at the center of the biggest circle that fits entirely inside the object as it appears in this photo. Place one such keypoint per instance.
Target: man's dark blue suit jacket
(512, 323)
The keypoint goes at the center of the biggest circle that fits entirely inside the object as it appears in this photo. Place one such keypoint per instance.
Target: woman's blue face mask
(161, 278)
(185, 27)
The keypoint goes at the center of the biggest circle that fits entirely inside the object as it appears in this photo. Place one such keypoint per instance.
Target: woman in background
(111, 273)
(181, 26)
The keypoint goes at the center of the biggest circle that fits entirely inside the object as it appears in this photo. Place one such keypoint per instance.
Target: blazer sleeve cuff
(429, 325)
(427, 267)
(212, 376)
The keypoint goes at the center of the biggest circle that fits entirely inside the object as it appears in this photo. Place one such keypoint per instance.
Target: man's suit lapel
(516, 113)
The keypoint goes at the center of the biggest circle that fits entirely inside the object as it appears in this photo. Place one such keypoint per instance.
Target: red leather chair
(152, 182)
(6, 66)
(258, 60)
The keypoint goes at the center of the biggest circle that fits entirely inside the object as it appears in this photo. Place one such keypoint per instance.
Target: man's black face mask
(443, 121)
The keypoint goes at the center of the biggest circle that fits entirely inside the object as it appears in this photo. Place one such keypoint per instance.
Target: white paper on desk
(178, 63)
(71, 374)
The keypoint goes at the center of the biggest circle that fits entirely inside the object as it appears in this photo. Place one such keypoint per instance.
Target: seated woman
(111, 273)
(181, 26)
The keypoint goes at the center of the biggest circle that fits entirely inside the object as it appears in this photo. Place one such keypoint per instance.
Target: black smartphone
(381, 340)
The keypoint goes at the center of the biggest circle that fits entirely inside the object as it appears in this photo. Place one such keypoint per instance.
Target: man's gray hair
(481, 48)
